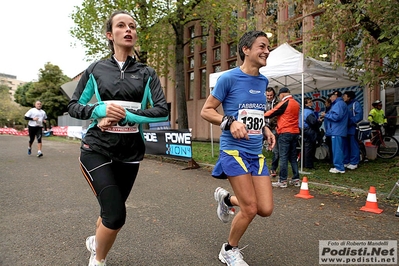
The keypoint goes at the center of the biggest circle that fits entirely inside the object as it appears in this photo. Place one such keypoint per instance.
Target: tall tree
(11, 114)
(47, 90)
(161, 32)
(370, 32)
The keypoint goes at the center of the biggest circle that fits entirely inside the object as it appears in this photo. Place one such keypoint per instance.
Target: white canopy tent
(287, 67)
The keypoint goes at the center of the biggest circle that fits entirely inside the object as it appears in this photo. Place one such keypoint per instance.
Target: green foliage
(10, 113)
(161, 32)
(47, 90)
(369, 30)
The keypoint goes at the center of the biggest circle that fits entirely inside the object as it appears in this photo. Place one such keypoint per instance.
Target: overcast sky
(35, 32)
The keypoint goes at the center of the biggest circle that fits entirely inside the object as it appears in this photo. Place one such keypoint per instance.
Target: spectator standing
(327, 104)
(377, 115)
(241, 92)
(336, 126)
(128, 94)
(36, 119)
(351, 147)
(310, 128)
(287, 113)
(272, 101)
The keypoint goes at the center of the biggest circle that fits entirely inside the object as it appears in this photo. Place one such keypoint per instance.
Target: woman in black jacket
(128, 94)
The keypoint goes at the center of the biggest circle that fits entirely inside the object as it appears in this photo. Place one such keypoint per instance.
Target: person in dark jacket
(336, 126)
(310, 127)
(128, 95)
(271, 101)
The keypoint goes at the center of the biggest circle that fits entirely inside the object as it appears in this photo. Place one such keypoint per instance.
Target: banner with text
(175, 143)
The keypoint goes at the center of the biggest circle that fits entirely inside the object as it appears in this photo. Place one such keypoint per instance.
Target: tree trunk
(181, 104)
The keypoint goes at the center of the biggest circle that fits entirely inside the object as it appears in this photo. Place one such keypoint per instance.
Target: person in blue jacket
(310, 127)
(351, 147)
(336, 126)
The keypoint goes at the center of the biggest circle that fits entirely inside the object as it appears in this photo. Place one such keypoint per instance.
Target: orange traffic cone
(304, 192)
(371, 203)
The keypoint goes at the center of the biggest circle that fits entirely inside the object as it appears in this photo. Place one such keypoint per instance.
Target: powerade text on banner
(176, 143)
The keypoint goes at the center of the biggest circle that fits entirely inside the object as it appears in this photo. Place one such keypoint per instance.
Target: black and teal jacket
(135, 82)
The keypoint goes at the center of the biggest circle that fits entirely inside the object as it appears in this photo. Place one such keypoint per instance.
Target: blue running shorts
(235, 163)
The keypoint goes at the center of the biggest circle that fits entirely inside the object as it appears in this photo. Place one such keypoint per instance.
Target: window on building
(216, 36)
(192, 34)
(232, 50)
(295, 31)
(191, 86)
(204, 38)
(294, 10)
(203, 89)
(217, 68)
(216, 54)
(352, 59)
(191, 62)
(232, 64)
(203, 59)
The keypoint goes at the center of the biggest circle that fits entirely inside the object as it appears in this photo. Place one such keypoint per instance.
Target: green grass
(380, 173)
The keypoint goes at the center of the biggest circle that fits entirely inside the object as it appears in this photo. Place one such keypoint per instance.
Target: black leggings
(35, 132)
(111, 183)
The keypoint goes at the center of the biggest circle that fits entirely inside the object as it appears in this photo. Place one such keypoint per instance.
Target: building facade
(11, 82)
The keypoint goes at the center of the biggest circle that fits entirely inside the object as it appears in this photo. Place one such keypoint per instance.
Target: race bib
(253, 119)
(126, 127)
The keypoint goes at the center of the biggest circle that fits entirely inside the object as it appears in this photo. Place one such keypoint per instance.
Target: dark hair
(306, 99)
(270, 89)
(108, 26)
(247, 39)
(350, 94)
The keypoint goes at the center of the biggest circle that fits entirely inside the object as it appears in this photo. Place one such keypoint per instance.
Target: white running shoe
(91, 246)
(223, 211)
(352, 166)
(232, 257)
(336, 171)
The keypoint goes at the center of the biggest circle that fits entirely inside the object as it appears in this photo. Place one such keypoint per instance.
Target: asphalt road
(47, 211)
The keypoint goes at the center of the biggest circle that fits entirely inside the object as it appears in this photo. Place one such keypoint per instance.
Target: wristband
(226, 122)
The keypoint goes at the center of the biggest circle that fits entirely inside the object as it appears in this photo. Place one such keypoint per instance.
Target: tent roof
(285, 67)
(68, 88)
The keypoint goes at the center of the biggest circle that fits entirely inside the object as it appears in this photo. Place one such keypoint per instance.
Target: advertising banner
(175, 143)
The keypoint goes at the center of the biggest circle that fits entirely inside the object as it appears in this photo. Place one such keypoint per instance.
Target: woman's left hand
(106, 123)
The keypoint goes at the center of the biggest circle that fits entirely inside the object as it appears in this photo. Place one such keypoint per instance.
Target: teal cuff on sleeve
(99, 111)
(133, 118)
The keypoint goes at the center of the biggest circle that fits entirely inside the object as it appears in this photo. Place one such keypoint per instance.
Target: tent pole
(302, 116)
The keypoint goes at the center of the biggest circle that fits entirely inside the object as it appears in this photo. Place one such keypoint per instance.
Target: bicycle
(387, 146)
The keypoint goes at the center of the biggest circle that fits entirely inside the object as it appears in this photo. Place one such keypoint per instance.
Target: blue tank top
(244, 97)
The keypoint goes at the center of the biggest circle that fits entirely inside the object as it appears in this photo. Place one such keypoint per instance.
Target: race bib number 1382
(253, 119)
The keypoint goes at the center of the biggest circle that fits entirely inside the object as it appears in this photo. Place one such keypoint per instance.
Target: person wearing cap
(377, 115)
(287, 113)
(351, 147)
(336, 126)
